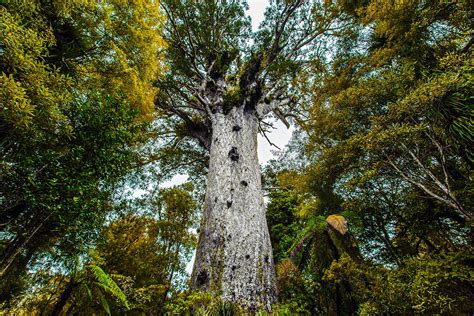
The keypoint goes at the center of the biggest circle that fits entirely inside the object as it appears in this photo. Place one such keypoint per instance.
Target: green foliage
(388, 151)
(382, 132)
(203, 304)
(282, 222)
(32, 91)
(191, 302)
(68, 181)
(423, 284)
(151, 250)
(104, 281)
(137, 265)
(388, 113)
(294, 289)
(75, 104)
(306, 246)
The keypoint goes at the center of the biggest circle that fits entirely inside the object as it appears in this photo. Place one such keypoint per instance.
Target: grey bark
(234, 255)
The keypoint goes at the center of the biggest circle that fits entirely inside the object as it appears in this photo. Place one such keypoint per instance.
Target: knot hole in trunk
(233, 155)
(202, 278)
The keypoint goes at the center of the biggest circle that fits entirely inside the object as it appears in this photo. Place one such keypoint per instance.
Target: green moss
(232, 98)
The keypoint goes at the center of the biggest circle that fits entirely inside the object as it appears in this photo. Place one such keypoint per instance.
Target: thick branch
(196, 129)
(200, 132)
(270, 105)
(288, 11)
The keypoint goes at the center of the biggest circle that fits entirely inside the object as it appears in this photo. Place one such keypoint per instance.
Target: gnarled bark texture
(234, 256)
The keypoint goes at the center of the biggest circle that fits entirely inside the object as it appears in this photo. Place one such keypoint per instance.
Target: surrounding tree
(389, 149)
(76, 95)
(137, 265)
(152, 249)
(89, 284)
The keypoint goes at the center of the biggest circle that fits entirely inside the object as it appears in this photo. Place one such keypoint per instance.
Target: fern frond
(103, 302)
(104, 281)
(87, 290)
(314, 225)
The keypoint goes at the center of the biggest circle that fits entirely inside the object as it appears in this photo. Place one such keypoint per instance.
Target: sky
(256, 11)
(280, 136)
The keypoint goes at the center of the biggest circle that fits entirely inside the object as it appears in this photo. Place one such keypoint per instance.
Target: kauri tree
(222, 82)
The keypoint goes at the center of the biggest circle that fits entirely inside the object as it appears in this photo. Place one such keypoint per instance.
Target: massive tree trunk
(234, 256)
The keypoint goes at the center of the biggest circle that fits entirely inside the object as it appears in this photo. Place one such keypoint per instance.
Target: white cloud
(176, 180)
(256, 11)
(280, 136)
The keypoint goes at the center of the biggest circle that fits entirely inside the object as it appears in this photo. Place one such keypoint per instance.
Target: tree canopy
(388, 148)
(77, 99)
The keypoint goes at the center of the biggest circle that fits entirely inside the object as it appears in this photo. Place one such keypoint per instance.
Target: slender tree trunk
(234, 256)
(16, 247)
(65, 295)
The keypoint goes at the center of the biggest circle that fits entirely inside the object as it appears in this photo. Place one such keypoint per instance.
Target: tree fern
(315, 224)
(87, 290)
